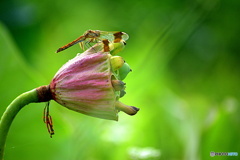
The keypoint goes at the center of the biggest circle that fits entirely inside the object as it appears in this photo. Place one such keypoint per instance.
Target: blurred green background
(186, 73)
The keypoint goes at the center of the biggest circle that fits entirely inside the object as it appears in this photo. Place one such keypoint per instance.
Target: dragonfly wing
(110, 35)
(125, 36)
(107, 35)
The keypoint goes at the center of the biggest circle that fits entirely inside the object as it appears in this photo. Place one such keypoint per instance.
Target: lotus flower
(89, 84)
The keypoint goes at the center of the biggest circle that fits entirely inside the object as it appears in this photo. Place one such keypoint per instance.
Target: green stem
(11, 111)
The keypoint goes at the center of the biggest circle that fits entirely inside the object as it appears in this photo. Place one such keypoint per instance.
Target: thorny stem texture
(10, 113)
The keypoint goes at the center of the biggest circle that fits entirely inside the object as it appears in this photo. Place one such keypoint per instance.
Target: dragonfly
(96, 36)
(106, 46)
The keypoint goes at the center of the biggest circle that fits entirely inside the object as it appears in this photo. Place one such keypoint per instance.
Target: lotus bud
(87, 84)
(117, 47)
(118, 85)
(116, 62)
(123, 71)
(130, 110)
(122, 93)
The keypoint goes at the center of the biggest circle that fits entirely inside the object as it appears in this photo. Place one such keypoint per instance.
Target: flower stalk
(10, 113)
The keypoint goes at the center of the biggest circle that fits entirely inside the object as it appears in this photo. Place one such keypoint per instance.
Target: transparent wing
(110, 35)
(125, 36)
(107, 35)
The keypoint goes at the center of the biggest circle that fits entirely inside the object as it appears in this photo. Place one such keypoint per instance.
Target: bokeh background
(186, 73)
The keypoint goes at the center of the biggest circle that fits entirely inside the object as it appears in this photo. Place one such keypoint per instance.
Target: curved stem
(11, 111)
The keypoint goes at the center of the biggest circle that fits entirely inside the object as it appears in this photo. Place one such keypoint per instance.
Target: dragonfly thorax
(92, 34)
